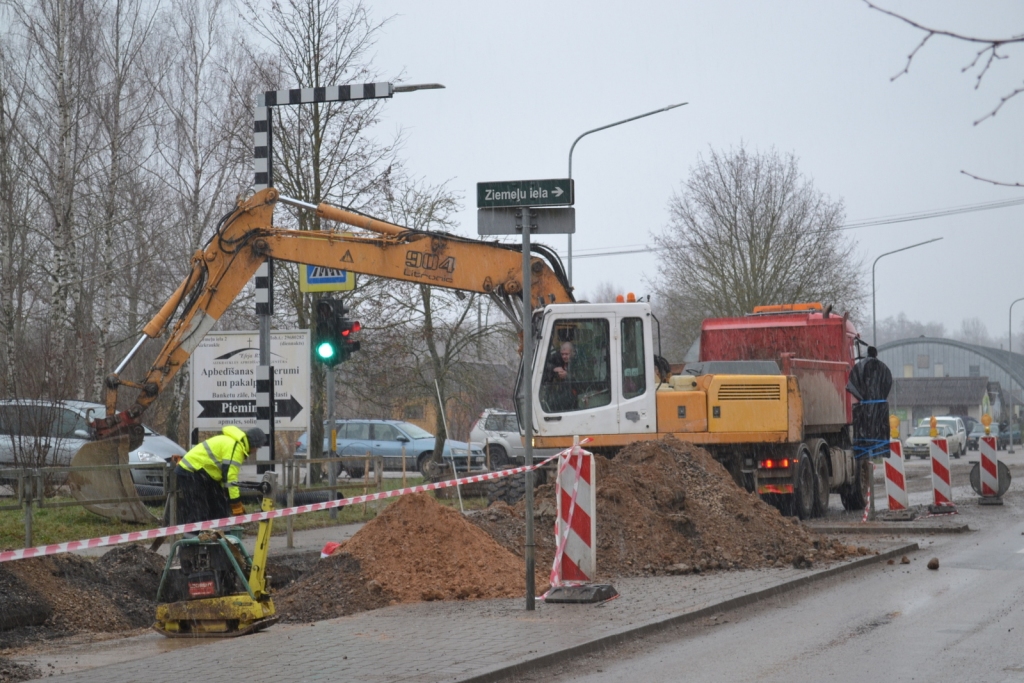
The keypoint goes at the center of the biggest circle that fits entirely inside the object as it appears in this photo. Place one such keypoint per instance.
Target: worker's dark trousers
(200, 498)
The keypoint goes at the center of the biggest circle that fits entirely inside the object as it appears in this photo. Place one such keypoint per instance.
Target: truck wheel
(803, 494)
(498, 457)
(855, 496)
(821, 479)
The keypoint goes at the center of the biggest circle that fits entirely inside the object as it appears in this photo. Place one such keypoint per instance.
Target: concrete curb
(508, 671)
(888, 528)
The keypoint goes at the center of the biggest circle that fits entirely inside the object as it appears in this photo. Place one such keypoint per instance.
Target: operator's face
(566, 353)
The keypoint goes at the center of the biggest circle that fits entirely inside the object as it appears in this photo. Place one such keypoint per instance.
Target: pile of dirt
(669, 507)
(13, 672)
(334, 587)
(69, 594)
(420, 550)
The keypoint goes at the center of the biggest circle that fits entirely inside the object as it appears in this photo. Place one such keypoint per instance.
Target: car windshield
(413, 431)
(922, 431)
(979, 430)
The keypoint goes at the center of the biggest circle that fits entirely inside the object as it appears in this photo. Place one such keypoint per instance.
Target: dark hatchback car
(386, 438)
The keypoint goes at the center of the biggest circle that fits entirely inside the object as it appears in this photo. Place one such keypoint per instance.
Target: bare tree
(901, 327)
(973, 331)
(988, 53)
(748, 229)
(322, 151)
(17, 260)
(604, 293)
(204, 142)
(124, 114)
(60, 73)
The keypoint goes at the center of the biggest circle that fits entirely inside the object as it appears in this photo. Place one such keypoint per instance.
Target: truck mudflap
(107, 491)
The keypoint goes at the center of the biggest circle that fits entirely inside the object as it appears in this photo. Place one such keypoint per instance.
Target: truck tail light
(782, 464)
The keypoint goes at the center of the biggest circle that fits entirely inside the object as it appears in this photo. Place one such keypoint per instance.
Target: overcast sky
(525, 78)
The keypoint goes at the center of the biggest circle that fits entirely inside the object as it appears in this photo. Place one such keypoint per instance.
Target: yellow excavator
(210, 586)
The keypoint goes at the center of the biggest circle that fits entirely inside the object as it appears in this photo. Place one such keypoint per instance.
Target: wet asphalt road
(963, 622)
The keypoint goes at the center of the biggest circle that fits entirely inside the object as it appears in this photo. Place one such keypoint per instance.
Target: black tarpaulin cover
(870, 382)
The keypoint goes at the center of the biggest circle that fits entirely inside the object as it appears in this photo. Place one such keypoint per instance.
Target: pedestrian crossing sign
(321, 279)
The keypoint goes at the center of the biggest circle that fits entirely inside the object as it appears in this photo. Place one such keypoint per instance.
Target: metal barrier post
(29, 495)
(333, 481)
(290, 485)
(403, 464)
(172, 497)
(366, 478)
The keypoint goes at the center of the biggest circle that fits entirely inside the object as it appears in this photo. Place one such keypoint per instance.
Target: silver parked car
(37, 433)
(498, 431)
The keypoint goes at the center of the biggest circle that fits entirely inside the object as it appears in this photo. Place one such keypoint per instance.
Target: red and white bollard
(895, 477)
(575, 562)
(942, 489)
(576, 523)
(989, 471)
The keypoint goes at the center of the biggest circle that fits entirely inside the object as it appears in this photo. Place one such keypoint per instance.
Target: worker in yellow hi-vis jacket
(208, 475)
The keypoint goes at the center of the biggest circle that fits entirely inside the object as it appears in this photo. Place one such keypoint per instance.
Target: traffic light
(333, 342)
(347, 328)
(326, 340)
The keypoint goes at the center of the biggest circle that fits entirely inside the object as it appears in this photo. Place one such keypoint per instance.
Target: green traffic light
(326, 351)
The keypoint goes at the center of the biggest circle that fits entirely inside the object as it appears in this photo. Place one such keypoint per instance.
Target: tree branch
(990, 48)
(994, 182)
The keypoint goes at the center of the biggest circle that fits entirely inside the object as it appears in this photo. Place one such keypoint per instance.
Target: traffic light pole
(331, 426)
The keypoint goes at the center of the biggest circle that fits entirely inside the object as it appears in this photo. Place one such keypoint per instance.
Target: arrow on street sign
(289, 408)
(554, 192)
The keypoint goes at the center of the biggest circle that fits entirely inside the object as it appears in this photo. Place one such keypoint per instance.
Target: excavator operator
(208, 475)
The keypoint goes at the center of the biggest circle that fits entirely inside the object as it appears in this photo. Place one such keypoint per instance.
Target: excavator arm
(246, 238)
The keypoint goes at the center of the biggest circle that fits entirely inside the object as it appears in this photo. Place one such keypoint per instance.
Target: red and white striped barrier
(576, 522)
(989, 467)
(942, 489)
(116, 539)
(895, 477)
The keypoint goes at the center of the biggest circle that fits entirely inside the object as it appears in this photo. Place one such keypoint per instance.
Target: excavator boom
(246, 238)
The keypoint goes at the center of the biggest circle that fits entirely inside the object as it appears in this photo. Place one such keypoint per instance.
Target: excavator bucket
(107, 492)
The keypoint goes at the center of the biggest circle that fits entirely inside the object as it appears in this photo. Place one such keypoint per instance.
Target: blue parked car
(386, 439)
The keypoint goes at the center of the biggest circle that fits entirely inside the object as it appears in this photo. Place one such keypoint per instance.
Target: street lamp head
(419, 86)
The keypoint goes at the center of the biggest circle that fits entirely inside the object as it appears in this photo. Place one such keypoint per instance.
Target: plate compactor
(212, 588)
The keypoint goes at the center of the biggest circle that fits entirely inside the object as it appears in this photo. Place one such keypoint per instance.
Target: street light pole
(874, 342)
(1009, 447)
(874, 322)
(594, 130)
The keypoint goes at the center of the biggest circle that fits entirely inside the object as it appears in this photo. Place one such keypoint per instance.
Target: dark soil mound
(22, 606)
(67, 594)
(334, 587)
(12, 672)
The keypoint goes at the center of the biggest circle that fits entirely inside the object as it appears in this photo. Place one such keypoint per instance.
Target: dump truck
(767, 398)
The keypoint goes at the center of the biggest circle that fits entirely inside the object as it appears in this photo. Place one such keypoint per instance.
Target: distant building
(913, 399)
(971, 371)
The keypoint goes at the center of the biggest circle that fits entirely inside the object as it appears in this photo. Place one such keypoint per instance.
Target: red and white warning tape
(70, 546)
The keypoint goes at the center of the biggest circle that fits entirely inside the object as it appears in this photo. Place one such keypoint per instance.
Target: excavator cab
(594, 370)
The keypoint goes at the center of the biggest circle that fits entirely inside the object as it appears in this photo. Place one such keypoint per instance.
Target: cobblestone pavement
(459, 641)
